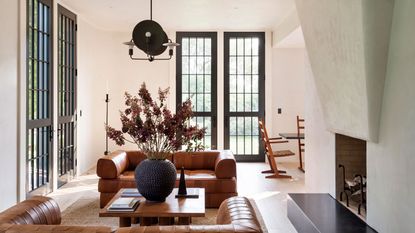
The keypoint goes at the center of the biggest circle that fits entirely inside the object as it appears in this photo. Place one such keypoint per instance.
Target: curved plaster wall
(347, 43)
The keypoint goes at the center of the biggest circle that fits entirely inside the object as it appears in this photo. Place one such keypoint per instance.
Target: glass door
(39, 98)
(196, 79)
(67, 74)
(244, 87)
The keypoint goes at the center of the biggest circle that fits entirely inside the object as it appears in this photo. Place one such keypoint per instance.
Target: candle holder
(107, 100)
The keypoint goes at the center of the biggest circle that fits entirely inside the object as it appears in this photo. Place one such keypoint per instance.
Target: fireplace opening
(351, 179)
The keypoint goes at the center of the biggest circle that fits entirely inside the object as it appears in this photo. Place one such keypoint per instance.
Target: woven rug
(85, 212)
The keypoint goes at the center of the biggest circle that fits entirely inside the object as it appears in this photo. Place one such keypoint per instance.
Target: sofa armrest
(230, 228)
(225, 165)
(49, 229)
(112, 165)
(35, 210)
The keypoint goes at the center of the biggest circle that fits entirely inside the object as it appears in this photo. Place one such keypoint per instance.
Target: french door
(244, 89)
(67, 83)
(196, 78)
(39, 107)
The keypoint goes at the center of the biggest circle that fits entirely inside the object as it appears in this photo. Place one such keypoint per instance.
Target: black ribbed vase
(155, 179)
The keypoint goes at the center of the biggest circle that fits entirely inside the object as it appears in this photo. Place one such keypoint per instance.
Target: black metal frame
(261, 98)
(67, 94)
(213, 112)
(39, 89)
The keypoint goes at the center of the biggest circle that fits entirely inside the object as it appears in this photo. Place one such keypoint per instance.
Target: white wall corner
(285, 28)
(377, 23)
(347, 43)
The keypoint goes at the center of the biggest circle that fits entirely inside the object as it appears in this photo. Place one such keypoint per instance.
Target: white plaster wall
(347, 42)
(9, 12)
(391, 162)
(285, 28)
(104, 66)
(286, 92)
(93, 60)
(320, 143)
(129, 75)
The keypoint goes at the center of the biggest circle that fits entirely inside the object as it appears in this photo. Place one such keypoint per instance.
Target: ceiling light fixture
(150, 37)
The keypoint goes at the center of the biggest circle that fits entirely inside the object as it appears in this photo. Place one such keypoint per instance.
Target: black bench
(321, 213)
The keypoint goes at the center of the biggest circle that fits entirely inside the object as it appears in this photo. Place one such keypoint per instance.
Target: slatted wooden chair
(271, 154)
(301, 144)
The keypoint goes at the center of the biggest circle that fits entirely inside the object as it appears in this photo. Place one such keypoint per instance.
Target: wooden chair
(301, 144)
(271, 155)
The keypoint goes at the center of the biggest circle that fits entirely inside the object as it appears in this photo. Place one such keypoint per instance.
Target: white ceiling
(294, 40)
(123, 15)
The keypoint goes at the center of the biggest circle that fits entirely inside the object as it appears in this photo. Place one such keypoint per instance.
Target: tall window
(196, 79)
(244, 74)
(39, 96)
(67, 83)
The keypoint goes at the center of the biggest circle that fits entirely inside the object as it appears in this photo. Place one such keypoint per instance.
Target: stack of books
(131, 193)
(124, 204)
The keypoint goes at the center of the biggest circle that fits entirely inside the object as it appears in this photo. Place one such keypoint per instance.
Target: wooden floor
(269, 194)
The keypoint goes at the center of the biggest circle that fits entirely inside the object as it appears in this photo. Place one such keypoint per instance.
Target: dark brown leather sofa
(213, 170)
(42, 214)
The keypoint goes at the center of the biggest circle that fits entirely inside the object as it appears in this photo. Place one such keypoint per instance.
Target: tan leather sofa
(42, 214)
(213, 170)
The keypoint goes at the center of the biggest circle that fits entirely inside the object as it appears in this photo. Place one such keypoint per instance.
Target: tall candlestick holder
(107, 100)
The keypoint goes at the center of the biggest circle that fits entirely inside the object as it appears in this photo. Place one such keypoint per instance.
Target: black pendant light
(150, 37)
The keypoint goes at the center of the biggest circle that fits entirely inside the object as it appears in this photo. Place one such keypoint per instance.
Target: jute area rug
(84, 212)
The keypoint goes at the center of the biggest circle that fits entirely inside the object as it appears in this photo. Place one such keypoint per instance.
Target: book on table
(131, 192)
(190, 193)
(124, 204)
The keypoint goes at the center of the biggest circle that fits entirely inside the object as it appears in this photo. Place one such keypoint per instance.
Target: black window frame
(67, 95)
(213, 113)
(261, 98)
(42, 124)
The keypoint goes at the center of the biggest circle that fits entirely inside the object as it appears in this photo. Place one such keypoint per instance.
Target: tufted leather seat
(39, 214)
(213, 170)
(42, 214)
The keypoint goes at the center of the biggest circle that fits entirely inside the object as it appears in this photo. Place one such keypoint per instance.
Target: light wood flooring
(269, 194)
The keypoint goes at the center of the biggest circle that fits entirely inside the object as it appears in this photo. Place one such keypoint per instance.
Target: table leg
(184, 220)
(164, 221)
(148, 221)
(125, 222)
(135, 220)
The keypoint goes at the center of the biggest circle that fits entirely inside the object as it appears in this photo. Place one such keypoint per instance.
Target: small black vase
(155, 179)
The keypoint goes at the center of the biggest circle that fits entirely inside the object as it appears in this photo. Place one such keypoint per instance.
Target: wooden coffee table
(162, 212)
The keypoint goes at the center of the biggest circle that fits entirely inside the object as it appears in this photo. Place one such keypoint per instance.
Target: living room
(332, 80)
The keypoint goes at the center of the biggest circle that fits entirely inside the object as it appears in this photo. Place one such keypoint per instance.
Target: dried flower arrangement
(154, 128)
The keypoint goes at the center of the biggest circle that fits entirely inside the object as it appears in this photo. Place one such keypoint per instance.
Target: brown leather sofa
(42, 214)
(213, 170)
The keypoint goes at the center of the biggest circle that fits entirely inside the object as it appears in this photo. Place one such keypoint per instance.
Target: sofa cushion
(201, 174)
(194, 178)
(196, 160)
(134, 158)
(113, 185)
(208, 180)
